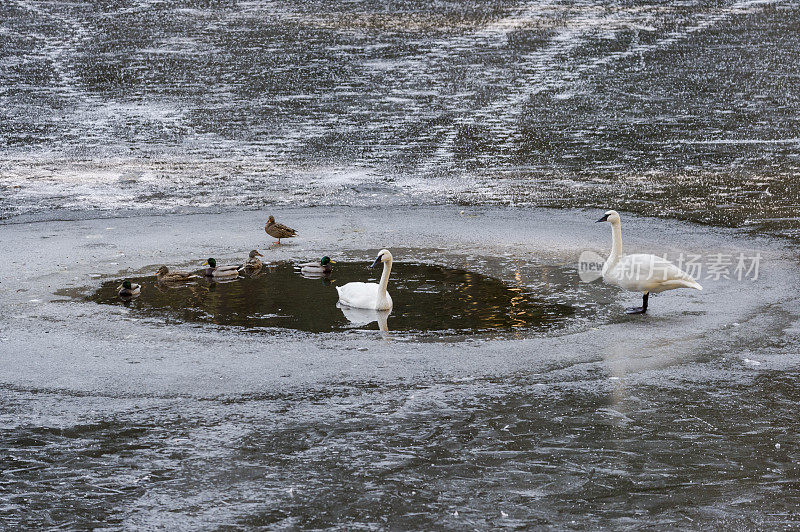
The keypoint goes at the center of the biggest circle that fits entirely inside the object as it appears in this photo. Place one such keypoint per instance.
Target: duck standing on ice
(648, 274)
(278, 231)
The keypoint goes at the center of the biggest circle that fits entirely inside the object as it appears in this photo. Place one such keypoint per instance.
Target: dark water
(689, 110)
(427, 299)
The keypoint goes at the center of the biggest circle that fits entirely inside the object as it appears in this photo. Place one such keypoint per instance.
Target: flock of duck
(643, 273)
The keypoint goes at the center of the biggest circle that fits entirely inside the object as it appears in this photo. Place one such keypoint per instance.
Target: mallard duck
(222, 271)
(369, 295)
(128, 289)
(253, 262)
(322, 266)
(278, 231)
(165, 276)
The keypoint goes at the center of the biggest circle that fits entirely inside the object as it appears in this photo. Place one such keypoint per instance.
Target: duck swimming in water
(253, 262)
(323, 266)
(128, 289)
(220, 271)
(165, 276)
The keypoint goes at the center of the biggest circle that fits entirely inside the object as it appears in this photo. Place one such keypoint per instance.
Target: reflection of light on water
(466, 292)
(517, 313)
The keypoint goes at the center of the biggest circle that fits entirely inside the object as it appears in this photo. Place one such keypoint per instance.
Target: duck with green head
(324, 265)
(220, 271)
(128, 289)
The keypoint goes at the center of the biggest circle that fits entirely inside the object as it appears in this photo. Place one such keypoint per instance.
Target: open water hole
(428, 299)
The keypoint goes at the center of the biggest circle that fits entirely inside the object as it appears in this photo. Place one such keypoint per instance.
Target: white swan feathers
(640, 272)
(369, 295)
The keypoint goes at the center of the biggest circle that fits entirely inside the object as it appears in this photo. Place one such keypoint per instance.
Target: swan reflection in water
(363, 316)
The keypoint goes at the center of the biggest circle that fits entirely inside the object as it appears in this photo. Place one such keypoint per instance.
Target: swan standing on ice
(369, 295)
(640, 273)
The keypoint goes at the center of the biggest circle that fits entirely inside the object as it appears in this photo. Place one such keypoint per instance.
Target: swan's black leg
(639, 310)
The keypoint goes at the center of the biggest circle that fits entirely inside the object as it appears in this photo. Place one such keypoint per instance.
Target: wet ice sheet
(697, 446)
(685, 110)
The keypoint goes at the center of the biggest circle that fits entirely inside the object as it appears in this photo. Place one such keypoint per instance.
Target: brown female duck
(253, 262)
(278, 231)
(165, 276)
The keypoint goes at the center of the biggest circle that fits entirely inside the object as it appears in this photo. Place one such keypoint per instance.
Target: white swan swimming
(640, 272)
(369, 295)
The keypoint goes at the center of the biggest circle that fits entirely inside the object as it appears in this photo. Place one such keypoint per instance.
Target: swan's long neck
(387, 269)
(616, 244)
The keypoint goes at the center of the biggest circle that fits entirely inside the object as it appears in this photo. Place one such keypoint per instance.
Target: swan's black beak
(603, 219)
(377, 261)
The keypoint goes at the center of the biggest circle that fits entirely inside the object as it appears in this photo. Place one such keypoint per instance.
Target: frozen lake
(689, 110)
(478, 141)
